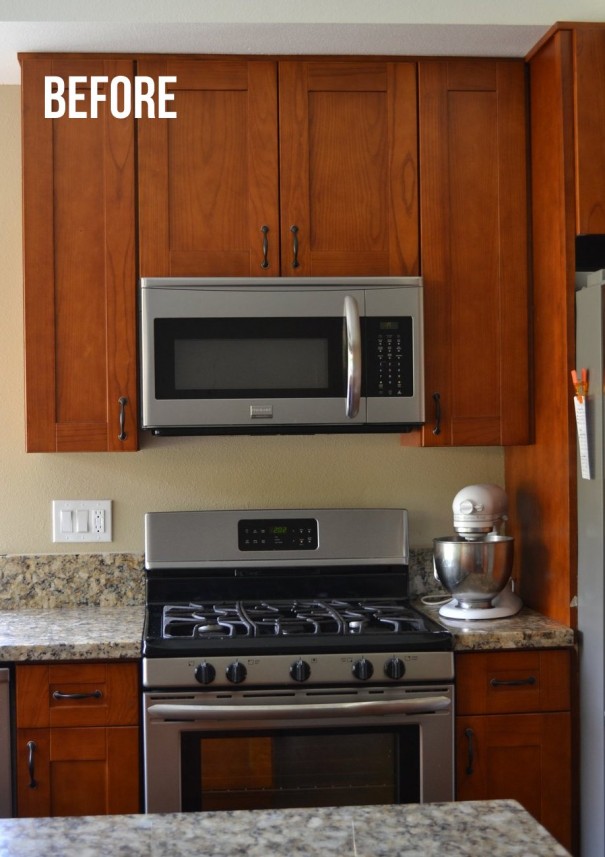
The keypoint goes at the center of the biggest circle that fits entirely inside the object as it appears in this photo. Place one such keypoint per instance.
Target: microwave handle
(353, 335)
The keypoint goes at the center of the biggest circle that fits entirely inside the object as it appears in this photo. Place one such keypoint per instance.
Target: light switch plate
(81, 520)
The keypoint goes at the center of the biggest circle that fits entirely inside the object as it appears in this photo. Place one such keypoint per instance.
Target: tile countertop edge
(526, 630)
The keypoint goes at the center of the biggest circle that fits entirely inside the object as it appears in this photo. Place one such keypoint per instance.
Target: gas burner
(298, 617)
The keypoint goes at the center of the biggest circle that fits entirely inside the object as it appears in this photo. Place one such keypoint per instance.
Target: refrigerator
(590, 355)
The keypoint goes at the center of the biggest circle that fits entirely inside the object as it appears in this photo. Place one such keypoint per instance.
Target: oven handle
(353, 333)
(426, 705)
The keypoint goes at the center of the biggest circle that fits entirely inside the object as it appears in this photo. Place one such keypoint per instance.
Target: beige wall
(195, 473)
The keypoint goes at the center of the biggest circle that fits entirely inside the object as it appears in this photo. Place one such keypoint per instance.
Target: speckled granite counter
(68, 633)
(526, 630)
(91, 606)
(498, 828)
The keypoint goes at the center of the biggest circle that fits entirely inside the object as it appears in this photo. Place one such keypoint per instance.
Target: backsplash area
(71, 580)
(48, 581)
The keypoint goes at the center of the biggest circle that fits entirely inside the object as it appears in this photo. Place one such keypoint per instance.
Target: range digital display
(265, 534)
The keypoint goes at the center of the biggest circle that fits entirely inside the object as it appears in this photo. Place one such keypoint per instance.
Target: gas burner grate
(290, 618)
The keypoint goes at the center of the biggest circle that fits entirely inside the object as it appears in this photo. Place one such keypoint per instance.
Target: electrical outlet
(81, 520)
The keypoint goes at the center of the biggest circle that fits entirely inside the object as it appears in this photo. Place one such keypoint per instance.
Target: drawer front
(513, 682)
(77, 695)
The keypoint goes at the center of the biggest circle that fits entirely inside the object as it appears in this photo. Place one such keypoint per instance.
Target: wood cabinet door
(589, 78)
(474, 249)
(78, 771)
(79, 268)
(525, 757)
(208, 179)
(348, 168)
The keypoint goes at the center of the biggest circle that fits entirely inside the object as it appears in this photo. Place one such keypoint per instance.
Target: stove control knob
(363, 669)
(236, 672)
(205, 673)
(300, 670)
(394, 668)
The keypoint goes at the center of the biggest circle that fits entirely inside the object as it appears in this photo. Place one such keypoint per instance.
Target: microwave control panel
(270, 534)
(390, 357)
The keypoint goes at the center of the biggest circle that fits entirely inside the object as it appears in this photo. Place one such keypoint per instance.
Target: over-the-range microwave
(278, 355)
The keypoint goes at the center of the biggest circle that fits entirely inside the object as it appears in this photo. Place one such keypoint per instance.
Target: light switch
(66, 521)
(81, 520)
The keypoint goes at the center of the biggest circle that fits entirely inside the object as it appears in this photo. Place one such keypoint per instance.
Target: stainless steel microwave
(279, 355)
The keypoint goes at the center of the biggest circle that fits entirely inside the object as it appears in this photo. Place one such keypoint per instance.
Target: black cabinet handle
(122, 401)
(470, 756)
(437, 400)
(95, 694)
(513, 682)
(294, 231)
(265, 262)
(31, 748)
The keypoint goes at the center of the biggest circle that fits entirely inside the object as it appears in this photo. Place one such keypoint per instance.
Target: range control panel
(272, 534)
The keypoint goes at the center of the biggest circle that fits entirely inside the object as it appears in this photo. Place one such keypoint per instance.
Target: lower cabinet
(513, 733)
(77, 739)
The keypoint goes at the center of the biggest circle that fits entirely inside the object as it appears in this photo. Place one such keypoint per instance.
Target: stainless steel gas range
(283, 665)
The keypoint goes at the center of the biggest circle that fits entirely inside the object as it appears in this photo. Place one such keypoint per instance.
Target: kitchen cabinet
(567, 120)
(474, 250)
(298, 168)
(77, 739)
(513, 732)
(79, 268)
(589, 101)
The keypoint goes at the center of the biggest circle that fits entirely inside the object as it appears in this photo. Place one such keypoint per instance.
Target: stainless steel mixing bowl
(474, 571)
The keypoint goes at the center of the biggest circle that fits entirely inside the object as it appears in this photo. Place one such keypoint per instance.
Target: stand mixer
(475, 566)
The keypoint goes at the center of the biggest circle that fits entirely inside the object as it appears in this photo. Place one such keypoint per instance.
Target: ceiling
(386, 27)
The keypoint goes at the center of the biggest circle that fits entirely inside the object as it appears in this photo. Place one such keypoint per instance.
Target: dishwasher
(6, 766)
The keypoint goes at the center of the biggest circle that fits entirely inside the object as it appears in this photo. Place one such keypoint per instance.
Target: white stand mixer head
(479, 510)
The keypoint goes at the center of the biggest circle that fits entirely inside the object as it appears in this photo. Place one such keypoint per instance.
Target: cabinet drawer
(77, 695)
(507, 682)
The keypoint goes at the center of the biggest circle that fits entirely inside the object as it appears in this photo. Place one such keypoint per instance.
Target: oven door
(268, 749)
(250, 356)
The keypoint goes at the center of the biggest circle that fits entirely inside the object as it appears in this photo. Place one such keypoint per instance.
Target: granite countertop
(526, 630)
(71, 633)
(107, 633)
(499, 828)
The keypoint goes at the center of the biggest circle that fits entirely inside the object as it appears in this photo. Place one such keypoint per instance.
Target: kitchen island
(500, 828)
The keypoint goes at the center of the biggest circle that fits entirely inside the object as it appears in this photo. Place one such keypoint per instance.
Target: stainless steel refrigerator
(590, 355)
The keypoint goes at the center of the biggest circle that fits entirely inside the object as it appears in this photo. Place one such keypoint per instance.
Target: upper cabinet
(291, 168)
(208, 180)
(589, 97)
(348, 168)
(474, 250)
(79, 268)
(337, 148)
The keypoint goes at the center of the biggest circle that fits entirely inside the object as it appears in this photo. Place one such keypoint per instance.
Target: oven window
(248, 358)
(344, 767)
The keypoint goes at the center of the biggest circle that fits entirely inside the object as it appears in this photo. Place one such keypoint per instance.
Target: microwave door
(257, 358)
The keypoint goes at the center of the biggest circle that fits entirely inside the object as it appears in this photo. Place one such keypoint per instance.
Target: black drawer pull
(122, 402)
(470, 757)
(513, 682)
(265, 262)
(437, 400)
(31, 747)
(96, 694)
(294, 231)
